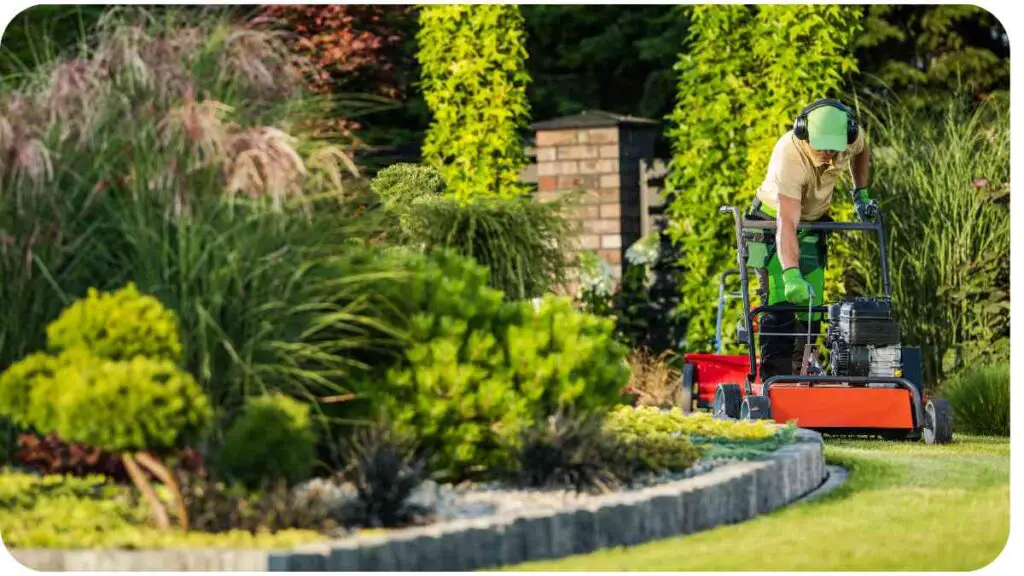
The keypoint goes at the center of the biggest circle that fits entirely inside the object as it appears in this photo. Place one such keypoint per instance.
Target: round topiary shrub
(16, 385)
(117, 326)
(142, 404)
(270, 441)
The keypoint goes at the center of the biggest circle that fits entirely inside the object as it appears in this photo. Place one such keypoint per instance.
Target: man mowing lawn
(805, 165)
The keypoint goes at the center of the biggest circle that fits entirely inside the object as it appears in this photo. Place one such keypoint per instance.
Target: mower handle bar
(915, 396)
(877, 226)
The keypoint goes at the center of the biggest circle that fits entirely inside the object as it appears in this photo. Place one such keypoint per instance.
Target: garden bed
(486, 525)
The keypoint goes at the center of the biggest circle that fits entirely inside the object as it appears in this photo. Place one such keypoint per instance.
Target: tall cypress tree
(473, 60)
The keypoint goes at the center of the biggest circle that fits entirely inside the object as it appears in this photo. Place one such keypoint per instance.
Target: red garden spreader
(871, 383)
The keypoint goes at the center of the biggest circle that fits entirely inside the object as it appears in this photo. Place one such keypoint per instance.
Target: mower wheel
(756, 408)
(727, 401)
(938, 422)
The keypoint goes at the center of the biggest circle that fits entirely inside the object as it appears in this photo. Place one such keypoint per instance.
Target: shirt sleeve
(786, 173)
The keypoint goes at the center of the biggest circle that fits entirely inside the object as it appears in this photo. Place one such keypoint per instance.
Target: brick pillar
(599, 153)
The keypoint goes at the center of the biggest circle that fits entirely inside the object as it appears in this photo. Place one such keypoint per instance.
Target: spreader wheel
(938, 422)
(691, 394)
(727, 401)
(756, 408)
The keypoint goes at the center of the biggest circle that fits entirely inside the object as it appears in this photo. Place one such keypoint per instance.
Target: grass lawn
(905, 506)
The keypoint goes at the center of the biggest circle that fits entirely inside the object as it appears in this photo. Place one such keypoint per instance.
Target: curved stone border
(726, 495)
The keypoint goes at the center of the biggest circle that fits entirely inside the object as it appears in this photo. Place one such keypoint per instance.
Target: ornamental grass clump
(654, 380)
(568, 451)
(522, 242)
(385, 469)
(176, 152)
(943, 181)
(980, 397)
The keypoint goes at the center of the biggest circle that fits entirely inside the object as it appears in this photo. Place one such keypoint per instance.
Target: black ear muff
(800, 123)
(800, 127)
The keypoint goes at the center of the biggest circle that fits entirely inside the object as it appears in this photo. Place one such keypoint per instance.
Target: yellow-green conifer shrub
(16, 386)
(117, 325)
(140, 404)
(112, 379)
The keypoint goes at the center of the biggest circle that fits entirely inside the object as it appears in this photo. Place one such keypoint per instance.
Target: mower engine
(864, 339)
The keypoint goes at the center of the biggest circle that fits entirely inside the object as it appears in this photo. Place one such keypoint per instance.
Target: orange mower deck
(823, 407)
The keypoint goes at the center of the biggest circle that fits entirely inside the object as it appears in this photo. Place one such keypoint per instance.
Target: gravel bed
(445, 502)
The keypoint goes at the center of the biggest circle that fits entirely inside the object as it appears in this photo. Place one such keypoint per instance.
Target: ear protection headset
(800, 125)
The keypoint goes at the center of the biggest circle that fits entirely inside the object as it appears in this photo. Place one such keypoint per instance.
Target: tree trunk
(156, 508)
(160, 471)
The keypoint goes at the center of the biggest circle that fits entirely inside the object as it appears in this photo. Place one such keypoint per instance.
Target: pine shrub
(271, 441)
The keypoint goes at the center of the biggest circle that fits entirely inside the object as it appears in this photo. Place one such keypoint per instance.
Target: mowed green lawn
(905, 506)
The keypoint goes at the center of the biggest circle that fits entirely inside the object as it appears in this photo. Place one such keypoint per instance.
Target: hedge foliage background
(474, 79)
(740, 86)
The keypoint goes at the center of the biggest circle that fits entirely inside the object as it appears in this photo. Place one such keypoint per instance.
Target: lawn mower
(871, 383)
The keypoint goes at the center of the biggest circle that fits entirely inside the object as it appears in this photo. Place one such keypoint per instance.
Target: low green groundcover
(69, 512)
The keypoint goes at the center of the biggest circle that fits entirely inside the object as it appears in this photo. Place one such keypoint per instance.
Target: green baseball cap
(826, 128)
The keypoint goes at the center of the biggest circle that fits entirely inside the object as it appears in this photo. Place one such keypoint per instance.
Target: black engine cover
(864, 322)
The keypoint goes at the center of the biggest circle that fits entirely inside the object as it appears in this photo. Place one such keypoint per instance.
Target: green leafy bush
(272, 440)
(138, 404)
(474, 78)
(980, 397)
(564, 358)
(749, 71)
(118, 325)
(475, 371)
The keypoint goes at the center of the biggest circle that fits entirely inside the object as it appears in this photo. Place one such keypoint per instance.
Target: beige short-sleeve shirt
(793, 172)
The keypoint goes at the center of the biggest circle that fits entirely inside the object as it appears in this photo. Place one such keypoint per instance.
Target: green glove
(866, 208)
(796, 288)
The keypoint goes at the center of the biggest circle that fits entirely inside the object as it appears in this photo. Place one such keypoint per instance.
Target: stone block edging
(728, 494)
